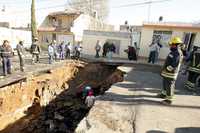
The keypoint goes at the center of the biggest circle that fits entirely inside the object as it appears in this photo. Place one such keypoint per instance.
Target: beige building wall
(146, 39)
(89, 43)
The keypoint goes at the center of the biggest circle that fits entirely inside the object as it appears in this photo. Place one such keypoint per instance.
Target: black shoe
(167, 102)
(161, 96)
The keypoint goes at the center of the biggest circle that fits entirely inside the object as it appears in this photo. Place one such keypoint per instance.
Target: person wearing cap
(85, 91)
(170, 70)
(35, 51)
(21, 54)
(90, 99)
(6, 54)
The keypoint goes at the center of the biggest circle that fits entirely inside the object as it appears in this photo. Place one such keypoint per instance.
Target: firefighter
(170, 70)
(193, 68)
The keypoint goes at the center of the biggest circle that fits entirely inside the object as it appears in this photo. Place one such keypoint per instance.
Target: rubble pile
(62, 116)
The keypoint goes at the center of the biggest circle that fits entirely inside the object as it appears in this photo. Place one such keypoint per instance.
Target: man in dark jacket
(105, 48)
(170, 70)
(35, 51)
(6, 54)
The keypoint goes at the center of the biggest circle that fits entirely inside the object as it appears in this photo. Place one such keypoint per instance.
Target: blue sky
(174, 10)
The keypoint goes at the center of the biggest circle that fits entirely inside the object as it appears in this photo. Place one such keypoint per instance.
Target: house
(68, 26)
(143, 36)
(128, 35)
(57, 26)
(87, 22)
(164, 31)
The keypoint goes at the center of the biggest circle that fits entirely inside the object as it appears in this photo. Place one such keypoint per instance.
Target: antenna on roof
(160, 18)
(4, 8)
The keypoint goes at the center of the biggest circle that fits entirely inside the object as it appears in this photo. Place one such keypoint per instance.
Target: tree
(33, 21)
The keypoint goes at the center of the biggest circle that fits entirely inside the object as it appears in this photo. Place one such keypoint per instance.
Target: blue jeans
(62, 55)
(50, 59)
(6, 61)
(109, 55)
(152, 57)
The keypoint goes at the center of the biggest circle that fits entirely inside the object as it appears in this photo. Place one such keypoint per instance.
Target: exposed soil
(63, 114)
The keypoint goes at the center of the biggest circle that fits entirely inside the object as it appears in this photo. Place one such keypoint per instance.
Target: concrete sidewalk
(131, 106)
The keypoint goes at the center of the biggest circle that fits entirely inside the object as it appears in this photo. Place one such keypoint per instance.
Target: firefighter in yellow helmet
(170, 70)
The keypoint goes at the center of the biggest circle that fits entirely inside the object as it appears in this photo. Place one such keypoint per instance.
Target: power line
(82, 3)
(25, 2)
(141, 3)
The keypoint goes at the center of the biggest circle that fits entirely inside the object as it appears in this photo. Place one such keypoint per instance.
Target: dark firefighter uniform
(193, 69)
(170, 70)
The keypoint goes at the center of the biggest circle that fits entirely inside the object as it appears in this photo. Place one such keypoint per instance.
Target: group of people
(108, 49)
(6, 53)
(86, 93)
(179, 55)
(63, 51)
(55, 52)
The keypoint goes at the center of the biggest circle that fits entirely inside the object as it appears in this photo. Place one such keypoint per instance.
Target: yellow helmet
(175, 40)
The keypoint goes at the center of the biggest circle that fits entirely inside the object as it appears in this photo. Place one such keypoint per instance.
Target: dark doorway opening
(189, 40)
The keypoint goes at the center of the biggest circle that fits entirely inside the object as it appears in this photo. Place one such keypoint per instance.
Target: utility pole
(149, 10)
(33, 21)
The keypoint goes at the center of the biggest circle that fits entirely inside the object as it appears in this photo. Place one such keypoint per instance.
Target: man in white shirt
(153, 49)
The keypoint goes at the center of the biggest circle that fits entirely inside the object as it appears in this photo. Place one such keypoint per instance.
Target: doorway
(189, 40)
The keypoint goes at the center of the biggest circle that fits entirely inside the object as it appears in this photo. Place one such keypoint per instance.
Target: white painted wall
(146, 39)
(85, 22)
(89, 43)
(14, 36)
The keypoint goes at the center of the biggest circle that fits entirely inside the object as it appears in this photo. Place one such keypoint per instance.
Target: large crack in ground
(64, 113)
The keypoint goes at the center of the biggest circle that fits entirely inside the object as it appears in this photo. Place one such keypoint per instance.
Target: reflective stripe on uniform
(169, 75)
(163, 92)
(193, 69)
(190, 85)
(169, 97)
(170, 68)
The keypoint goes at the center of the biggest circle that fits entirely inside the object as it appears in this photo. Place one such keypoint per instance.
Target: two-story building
(57, 26)
(68, 26)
